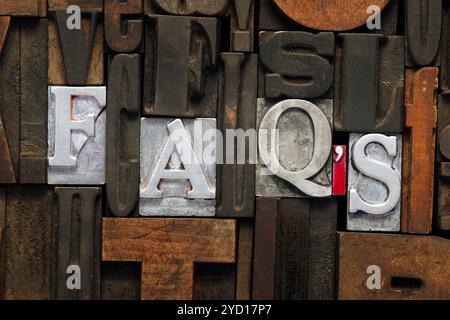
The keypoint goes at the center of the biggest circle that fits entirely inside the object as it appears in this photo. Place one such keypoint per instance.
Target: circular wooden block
(329, 15)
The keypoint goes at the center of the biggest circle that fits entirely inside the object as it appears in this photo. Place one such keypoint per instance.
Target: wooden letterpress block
(419, 150)
(77, 236)
(244, 260)
(283, 70)
(23, 8)
(214, 281)
(443, 129)
(216, 8)
(83, 4)
(76, 55)
(423, 23)
(123, 25)
(237, 110)
(121, 281)
(181, 82)
(28, 242)
(443, 210)
(2, 241)
(168, 262)
(445, 48)
(242, 25)
(393, 267)
(122, 134)
(369, 90)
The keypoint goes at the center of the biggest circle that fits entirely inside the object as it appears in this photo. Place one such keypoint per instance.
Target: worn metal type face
(77, 233)
(178, 167)
(305, 73)
(76, 135)
(168, 249)
(295, 140)
(374, 182)
(180, 72)
(393, 267)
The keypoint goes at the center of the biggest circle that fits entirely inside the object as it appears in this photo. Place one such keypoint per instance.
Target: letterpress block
(443, 128)
(295, 140)
(2, 241)
(76, 55)
(178, 169)
(28, 243)
(168, 249)
(374, 182)
(443, 211)
(445, 48)
(33, 100)
(123, 25)
(122, 134)
(23, 8)
(9, 100)
(290, 73)
(369, 90)
(393, 267)
(242, 25)
(244, 260)
(237, 121)
(76, 135)
(77, 234)
(214, 281)
(423, 21)
(339, 170)
(214, 8)
(180, 72)
(121, 281)
(83, 4)
(419, 150)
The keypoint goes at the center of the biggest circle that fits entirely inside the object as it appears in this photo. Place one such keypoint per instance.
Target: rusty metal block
(370, 78)
(76, 135)
(77, 236)
(374, 182)
(299, 163)
(408, 267)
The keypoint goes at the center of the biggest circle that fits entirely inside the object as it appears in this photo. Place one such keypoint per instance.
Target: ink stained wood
(122, 134)
(370, 73)
(2, 241)
(412, 267)
(443, 189)
(445, 49)
(120, 281)
(244, 260)
(242, 25)
(77, 236)
(83, 4)
(214, 281)
(216, 8)
(329, 16)
(419, 150)
(237, 110)
(443, 128)
(168, 249)
(123, 25)
(23, 8)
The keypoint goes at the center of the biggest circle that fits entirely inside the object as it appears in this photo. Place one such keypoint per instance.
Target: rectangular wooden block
(393, 267)
(214, 281)
(419, 150)
(83, 4)
(443, 189)
(23, 8)
(444, 82)
(120, 281)
(168, 249)
(77, 236)
(244, 260)
(369, 76)
(237, 111)
(242, 25)
(2, 241)
(28, 243)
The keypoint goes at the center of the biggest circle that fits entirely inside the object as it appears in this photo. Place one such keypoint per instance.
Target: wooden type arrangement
(227, 149)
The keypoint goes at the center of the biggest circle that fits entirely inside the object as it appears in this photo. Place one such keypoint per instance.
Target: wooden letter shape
(123, 24)
(192, 7)
(168, 249)
(181, 82)
(237, 110)
(242, 25)
(23, 8)
(423, 30)
(411, 267)
(77, 238)
(122, 134)
(338, 15)
(293, 73)
(419, 150)
(369, 91)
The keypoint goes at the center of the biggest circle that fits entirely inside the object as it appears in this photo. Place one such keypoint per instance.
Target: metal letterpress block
(181, 82)
(423, 31)
(28, 242)
(121, 280)
(294, 138)
(9, 100)
(120, 16)
(244, 260)
(76, 135)
(242, 25)
(77, 234)
(237, 111)
(369, 90)
(168, 262)
(122, 134)
(178, 167)
(76, 55)
(33, 100)
(283, 70)
(393, 267)
(419, 150)
(443, 210)
(339, 170)
(23, 8)
(374, 182)
(443, 128)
